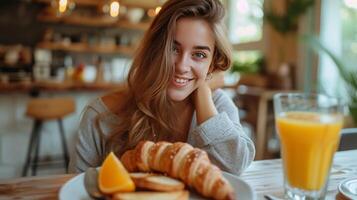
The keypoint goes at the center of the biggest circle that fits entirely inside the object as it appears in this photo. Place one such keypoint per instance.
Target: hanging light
(157, 10)
(114, 9)
(152, 12)
(62, 6)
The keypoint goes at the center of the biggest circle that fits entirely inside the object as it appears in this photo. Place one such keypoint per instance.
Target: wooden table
(264, 176)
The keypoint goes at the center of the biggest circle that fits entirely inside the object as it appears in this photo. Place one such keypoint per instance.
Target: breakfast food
(156, 182)
(113, 177)
(116, 183)
(182, 161)
(178, 195)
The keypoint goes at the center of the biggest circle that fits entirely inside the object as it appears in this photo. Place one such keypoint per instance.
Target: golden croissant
(182, 161)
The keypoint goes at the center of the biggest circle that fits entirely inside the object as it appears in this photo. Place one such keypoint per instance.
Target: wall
(18, 23)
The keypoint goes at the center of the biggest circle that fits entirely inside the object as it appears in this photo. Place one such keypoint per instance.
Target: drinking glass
(309, 127)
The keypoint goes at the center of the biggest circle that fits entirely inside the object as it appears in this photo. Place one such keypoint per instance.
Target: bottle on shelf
(78, 73)
(68, 68)
(42, 65)
(99, 78)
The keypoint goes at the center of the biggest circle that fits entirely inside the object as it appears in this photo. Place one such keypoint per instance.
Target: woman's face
(193, 51)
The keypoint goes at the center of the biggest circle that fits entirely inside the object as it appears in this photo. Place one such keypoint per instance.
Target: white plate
(74, 189)
(348, 188)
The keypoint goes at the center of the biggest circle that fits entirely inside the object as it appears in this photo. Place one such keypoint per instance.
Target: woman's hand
(204, 104)
(217, 80)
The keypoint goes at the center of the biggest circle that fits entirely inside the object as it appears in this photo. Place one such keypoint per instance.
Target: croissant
(182, 161)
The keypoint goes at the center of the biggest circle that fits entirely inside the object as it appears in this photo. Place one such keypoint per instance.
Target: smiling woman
(172, 93)
(193, 52)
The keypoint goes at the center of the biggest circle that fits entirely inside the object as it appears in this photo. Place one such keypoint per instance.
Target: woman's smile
(180, 82)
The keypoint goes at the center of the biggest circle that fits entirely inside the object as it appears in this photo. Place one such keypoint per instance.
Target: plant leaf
(349, 77)
(318, 47)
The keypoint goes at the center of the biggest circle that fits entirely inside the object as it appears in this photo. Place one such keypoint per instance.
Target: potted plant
(250, 66)
(283, 17)
(348, 76)
(288, 21)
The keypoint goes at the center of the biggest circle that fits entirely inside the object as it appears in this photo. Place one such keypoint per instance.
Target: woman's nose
(182, 63)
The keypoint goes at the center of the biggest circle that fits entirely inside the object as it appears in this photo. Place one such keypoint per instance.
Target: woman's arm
(204, 104)
(88, 151)
(219, 132)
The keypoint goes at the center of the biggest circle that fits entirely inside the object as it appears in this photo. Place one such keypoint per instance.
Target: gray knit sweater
(221, 136)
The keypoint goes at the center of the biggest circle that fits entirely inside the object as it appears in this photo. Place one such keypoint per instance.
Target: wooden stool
(41, 110)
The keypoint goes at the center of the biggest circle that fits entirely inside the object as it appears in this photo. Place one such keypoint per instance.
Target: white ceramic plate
(74, 189)
(348, 188)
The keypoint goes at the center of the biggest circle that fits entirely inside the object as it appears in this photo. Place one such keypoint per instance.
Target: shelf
(54, 86)
(78, 2)
(85, 48)
(146, 4)
(94, 22)
(17, 67)
(138, 26)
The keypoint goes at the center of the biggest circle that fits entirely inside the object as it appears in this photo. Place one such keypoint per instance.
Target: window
(245, 21)
(245, 27)
(339, 35)
(349, 33)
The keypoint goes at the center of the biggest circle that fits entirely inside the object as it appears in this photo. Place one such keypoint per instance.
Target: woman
(169, 95)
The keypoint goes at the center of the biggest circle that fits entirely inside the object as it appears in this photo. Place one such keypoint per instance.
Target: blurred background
(68, 52)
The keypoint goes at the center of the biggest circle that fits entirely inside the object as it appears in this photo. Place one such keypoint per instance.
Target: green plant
(349, 76)
(288, 22)
(248, 66)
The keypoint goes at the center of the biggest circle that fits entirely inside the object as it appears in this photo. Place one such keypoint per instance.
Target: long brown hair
(146, 111)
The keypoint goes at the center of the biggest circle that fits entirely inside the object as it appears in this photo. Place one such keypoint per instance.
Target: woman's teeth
(179, 80)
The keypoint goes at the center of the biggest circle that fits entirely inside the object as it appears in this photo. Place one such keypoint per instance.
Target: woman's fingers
(217, 80)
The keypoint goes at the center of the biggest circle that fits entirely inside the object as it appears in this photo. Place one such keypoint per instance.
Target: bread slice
(178, 195)
(157, 182)
(140, 175)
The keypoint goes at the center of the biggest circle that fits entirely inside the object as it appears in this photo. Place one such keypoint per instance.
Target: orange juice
(309, 141)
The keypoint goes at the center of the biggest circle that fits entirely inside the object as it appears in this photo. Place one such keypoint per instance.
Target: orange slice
(113, 176)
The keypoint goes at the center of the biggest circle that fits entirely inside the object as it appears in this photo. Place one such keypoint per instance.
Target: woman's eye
(199, 55)
(175, 50)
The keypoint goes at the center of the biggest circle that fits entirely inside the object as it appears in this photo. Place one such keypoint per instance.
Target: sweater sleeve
(88, 151)
(223, 138)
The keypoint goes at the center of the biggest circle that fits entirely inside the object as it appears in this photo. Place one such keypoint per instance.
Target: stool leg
(32, 143)
(38, 143)
(64, 144)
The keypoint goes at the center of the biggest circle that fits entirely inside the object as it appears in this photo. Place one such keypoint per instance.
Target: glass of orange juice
(309, 127)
